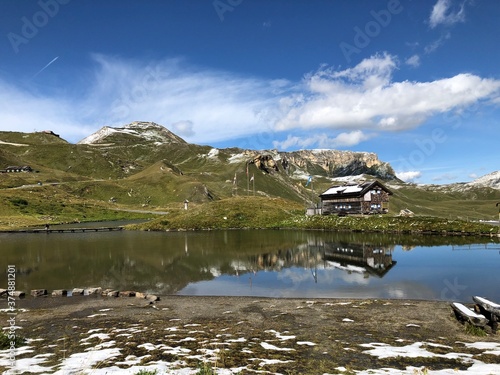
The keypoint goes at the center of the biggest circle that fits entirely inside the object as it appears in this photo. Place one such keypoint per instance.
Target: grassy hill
(95, 181)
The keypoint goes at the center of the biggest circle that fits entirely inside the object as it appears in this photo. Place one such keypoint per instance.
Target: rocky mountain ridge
(325, 163)
(491, 180)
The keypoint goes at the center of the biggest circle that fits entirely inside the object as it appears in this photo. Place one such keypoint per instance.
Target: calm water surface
(267, 263)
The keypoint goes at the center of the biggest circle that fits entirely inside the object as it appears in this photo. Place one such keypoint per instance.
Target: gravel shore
(188, 335)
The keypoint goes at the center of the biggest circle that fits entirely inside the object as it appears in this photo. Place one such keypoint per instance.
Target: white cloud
(409, 176)
(437, 43)
(182, 128)
(444, 13)
(28, 112)
(365, 97)
(204, 105)
(445, 177)
(413, 61)
(323, 141)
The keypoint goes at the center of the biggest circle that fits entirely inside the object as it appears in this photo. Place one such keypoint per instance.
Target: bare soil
(322, 335)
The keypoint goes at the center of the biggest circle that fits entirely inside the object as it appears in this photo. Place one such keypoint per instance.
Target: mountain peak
(139, 131)
(491, 180)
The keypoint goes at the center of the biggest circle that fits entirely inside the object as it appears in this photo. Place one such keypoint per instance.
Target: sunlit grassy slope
(75, 182)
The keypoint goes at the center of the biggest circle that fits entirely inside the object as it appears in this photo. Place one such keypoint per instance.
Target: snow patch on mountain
(148, 131)
(491, 180)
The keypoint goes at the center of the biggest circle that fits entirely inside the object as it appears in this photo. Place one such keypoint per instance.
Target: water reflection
(259, 263)
(360, 257)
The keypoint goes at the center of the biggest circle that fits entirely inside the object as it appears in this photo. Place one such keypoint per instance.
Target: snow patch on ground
(237, 158)
(106, 356)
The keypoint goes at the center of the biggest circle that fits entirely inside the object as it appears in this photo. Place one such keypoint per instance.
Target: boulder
(127, 293)
(91, 291)
(59, 293)
(39, 292)
(77, 292)
(152, 298)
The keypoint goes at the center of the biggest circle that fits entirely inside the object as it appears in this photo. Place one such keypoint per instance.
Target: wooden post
(498, 205)
(248, 182)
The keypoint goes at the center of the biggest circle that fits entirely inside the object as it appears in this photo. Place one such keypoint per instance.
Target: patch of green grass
(237, 212)
(205, 368)
(473, 330)
(257, 212)
(6, 341)
(146, 372)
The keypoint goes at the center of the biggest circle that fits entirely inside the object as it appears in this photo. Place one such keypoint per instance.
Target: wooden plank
(489, 306)
(468, 315)
(67, 230)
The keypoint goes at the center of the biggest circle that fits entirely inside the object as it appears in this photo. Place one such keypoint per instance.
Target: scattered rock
(152, 298)
(59, 293)
(127, 293)
(39, 292)
(77, 292)
(91, 291)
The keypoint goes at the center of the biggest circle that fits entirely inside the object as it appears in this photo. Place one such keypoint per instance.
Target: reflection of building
(366, 258)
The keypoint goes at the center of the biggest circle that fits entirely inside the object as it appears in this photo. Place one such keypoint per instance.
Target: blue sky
(416, 82)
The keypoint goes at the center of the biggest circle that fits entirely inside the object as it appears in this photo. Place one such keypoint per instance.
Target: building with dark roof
(368, 198)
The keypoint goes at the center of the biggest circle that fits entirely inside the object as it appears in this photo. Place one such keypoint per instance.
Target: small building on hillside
(371, 197)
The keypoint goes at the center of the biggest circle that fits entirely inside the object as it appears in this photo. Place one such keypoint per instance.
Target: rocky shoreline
(182, 335)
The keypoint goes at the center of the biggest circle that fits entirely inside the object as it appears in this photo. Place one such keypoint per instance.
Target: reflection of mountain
(366, 258)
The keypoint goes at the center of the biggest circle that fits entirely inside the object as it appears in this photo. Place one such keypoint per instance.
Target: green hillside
(134, 172)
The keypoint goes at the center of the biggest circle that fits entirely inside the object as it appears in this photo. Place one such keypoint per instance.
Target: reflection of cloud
(327, 276)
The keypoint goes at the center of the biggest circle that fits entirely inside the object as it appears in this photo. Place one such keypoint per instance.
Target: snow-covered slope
(490, 180)
(145, 131)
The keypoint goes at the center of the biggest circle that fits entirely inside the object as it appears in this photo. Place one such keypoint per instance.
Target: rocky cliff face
(337, 163)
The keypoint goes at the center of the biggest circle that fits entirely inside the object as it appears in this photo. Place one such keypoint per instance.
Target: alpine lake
(263, 263)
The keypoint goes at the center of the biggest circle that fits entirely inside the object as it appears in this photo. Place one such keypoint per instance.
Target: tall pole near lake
(498, 205)
(248, 182)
